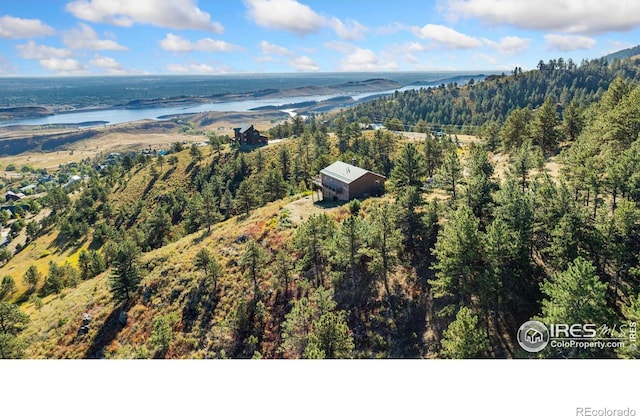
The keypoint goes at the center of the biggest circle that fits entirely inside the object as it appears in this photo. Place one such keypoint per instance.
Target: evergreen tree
(385, 241)
(285, 162)
(450, 172)
(572, 121)
(246, 196)
(410, 168)
(330, 337)
(463, 339)
(158, 227)
(12, 322)
(31, 277)
(313, 240)
(516, 128)
(210, 211)
(209, 265)
(459, 257)
(477, 193)
(575, 296)
(252, 261)
(126, 275)
(349, 247)
(525, 158)
(544, 131)
(411, 218)
(8, 286)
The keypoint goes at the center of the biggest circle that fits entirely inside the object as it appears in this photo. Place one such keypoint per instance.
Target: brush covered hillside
(223, 252)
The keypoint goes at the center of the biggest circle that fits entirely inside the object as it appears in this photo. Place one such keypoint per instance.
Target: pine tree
(385, 240)
(516, 128)
(210, 211)
(31, 277)
(330, 337)
(158, 227)
(545, 127)
(575, 296)
(450, 171)
(349, 245)
(209, 265)
(246, 196)
(252, 261)
(410, 168)
(463, 338)
(313, 240)
(12, 322)
(458, 250)
(125, 276)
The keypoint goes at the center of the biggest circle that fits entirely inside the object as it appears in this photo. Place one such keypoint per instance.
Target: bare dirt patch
(301, 209)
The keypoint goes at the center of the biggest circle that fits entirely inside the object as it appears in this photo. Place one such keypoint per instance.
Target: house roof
(345, 172)
(17, 195)
(244, 128)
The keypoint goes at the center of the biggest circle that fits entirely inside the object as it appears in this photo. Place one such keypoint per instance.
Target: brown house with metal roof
(341, 181)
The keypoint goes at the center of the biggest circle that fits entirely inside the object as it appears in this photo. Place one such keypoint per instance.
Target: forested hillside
(222, 252)
(455, 108)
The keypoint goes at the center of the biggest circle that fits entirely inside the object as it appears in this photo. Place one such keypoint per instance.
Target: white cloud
(585, 16)
(351, 31)
(64, 66)
(176, 43)
(268, 48)
(304, 63)
(197, 68)
(174, 14)
(293, 16)
(510, 45)
(86, 38)
(288, 15)
(446, 37)
(17, 28)
(567, 43)
(32, 50)
(108, 64)
(360, 59)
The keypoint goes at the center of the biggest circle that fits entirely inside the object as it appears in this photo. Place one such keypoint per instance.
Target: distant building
(27, 188)
(72, 180)
(12, 196)
(247, 134)
(341, 181)
(45, 178)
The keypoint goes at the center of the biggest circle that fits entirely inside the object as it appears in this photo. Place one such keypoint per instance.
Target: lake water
(123, 115)
(108, 91)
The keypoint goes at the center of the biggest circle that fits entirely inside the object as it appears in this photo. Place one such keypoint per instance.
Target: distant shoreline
(341, 94)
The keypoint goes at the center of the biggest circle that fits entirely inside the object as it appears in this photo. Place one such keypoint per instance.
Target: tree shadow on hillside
(107, 333)
(168, 173)
(200, 302)
(152, 182)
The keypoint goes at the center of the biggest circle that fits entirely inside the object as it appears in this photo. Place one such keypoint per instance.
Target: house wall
(332, 187)
(366, 185)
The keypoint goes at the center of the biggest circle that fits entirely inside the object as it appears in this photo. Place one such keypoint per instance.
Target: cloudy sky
(99, 37)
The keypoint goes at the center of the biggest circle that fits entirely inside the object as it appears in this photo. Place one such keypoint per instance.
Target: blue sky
(111, 37)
